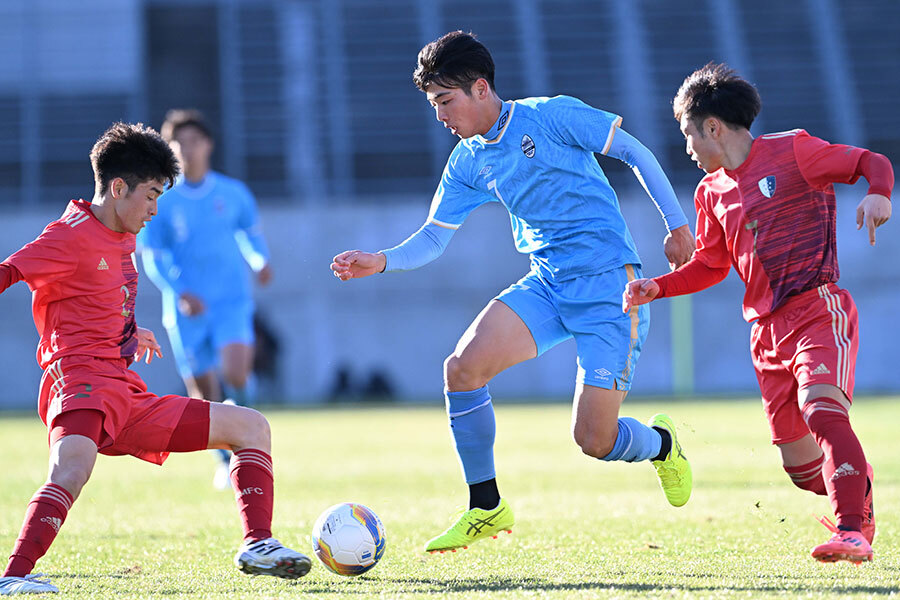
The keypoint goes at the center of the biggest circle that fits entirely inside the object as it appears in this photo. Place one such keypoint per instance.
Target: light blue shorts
(589, 309)
(197, 341)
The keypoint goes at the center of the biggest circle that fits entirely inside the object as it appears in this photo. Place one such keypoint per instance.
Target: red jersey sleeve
(47, 259)
(8, 276)
(822, 163)
(711, 261)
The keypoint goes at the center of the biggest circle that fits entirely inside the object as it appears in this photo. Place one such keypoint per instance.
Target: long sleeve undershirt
(8, 276)
(429, 242)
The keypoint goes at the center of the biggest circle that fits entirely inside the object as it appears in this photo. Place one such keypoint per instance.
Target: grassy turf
(586, 529)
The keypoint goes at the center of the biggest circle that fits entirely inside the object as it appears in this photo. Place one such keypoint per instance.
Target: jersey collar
(495, 133)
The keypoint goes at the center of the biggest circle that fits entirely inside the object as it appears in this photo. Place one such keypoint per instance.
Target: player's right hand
(639, 291)
(354, 264)
(190, 305)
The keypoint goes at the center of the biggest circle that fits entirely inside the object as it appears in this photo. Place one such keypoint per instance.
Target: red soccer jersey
(83, 281)
(773, 218)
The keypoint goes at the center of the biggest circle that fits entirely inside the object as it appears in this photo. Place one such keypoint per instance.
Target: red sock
(809, 476)
(252, 480)
(45, 515)
(844, 469)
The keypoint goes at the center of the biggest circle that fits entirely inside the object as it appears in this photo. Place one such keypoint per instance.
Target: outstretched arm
(693, 276)
(679, 243)
(8, 276)
(417, 250)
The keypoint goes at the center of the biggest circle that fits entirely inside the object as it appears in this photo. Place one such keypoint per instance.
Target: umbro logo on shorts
(603, 373)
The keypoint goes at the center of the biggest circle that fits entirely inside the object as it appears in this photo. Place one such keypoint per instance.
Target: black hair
(715, 90)
(135, 153)
(178, 118)
(454, 60)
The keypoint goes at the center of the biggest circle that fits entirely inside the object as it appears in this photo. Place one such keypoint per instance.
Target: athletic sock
(844, 469)
(634, 442)
(484, 495)
(45, 515)
(238, 395)
(665, 444)
(473, 427)
(253, 483)
(809, 476)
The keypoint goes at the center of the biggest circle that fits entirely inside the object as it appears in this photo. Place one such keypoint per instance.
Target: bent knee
(461, 373)
(252, 430)
(593, 443)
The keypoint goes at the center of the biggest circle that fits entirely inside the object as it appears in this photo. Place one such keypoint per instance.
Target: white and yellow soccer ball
(348, 539)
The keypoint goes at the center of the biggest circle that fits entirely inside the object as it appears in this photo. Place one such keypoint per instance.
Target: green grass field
(585, 529)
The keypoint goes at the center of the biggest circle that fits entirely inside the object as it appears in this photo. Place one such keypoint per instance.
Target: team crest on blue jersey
(528, 146)
(767, 186)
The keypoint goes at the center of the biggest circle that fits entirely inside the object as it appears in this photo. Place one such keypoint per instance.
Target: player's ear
(118, 187)
(481, 88)
(712, 126)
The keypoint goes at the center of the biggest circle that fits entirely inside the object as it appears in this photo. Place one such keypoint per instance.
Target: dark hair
(715, 90)
(454, 60)
(135, 153)
(178, 118)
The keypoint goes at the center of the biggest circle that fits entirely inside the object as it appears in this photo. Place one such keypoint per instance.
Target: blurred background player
(535, 156)
(83, 277)
(195, 252)
(767, 206)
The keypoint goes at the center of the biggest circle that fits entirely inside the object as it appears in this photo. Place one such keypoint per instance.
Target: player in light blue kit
(196, 251)
(535, 156)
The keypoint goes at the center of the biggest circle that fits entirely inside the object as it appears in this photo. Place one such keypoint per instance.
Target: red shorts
(811, 339)
(135, 421)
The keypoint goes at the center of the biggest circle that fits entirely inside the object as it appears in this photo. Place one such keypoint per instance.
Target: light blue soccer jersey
(202, 240)
(541, 167)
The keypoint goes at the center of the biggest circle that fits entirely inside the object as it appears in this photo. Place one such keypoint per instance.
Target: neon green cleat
(675, 471)
(474, 524)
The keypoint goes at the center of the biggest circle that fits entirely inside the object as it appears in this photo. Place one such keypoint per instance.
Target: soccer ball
(348, 538)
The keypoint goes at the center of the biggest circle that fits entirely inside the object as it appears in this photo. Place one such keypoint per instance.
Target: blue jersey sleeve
(576, 124)
(419, 249)
(154, 243)
(647, 170)
(249, 235)
(455, 198)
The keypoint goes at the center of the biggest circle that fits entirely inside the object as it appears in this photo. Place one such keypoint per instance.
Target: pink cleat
(868, 523)
(843, 545)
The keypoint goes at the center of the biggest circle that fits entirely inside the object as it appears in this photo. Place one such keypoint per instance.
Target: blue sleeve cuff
(419, 249)
(654, 181)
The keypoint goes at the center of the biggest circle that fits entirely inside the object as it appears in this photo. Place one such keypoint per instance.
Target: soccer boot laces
(674, 471)
(30, 584)
(269, 557)
(843, 545)
(474, 524)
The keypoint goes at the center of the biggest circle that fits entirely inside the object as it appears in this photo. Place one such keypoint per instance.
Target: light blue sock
(224, 455)
(635, 442)
(473, 427)
(239, 395)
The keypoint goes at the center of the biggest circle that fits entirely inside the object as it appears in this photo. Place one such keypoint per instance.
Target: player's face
(135, 207)
(703, 149)
(461, 113)
(192, 147)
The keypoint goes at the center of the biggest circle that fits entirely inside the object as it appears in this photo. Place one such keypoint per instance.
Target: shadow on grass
(424, 585)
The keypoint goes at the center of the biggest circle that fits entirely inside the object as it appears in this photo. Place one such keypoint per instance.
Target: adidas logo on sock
(54, 522)
(102, 266)
(844, 470)
(821, 370)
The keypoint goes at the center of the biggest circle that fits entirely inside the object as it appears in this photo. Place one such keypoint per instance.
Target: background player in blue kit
(535, 156)
(196, 251)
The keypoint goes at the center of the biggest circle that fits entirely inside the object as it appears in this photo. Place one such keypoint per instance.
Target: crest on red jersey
(767, 186)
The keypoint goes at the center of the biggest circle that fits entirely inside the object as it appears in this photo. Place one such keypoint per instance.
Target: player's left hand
(679, 245)
(146, 344)
(264, 276)
(873, 211)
